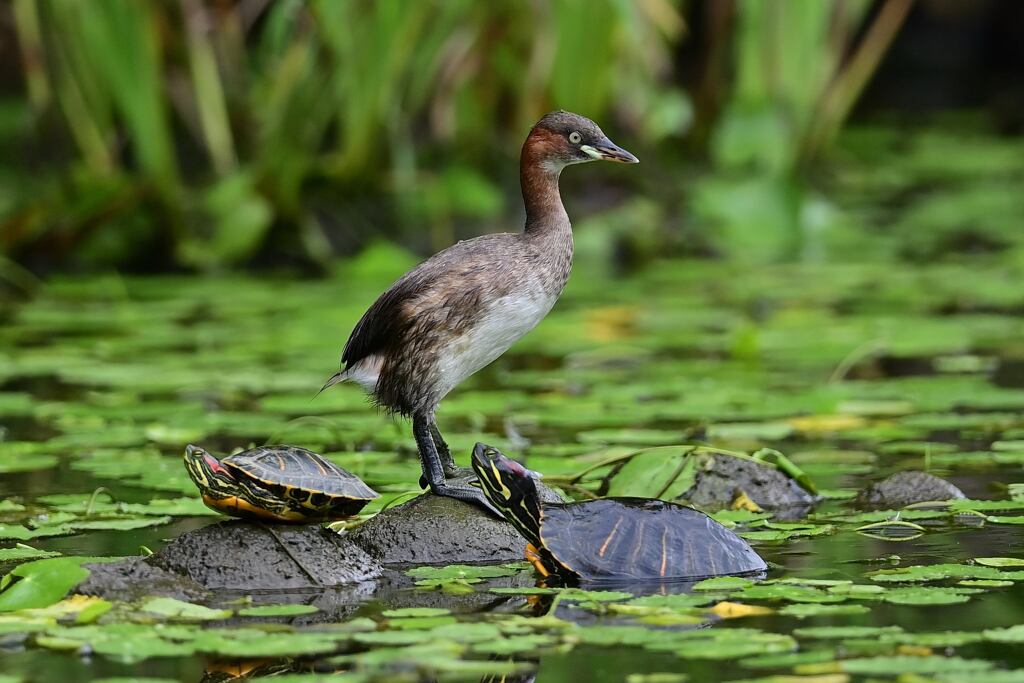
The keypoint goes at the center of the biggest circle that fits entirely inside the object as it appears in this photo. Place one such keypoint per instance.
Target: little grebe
(462, 308)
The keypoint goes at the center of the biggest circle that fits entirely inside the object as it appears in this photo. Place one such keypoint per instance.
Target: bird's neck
(538, 176)
(547, 224)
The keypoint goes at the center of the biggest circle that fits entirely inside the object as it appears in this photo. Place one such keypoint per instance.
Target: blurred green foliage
(210, 131)
(211, 135)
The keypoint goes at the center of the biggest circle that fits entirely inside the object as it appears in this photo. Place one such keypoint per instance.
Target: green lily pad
(185, 611)
(41, 582)
(287, 610)
(1013, 634)
(415, 612)
(726, 583)
(999, 561)
(805, 610)
(24, 552)
(26, 462)
(889, 666)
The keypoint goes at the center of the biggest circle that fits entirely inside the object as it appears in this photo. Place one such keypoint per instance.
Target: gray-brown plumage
(465, 306)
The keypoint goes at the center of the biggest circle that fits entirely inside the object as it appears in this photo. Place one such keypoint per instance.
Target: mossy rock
(240, 555)
(722, 478)
(906, 488)
(436, 530)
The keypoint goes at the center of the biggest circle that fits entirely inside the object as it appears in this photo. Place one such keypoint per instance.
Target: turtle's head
(206, 471)
(511, 488)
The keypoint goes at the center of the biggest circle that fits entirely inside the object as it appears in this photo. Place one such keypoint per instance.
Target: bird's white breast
(503, 322)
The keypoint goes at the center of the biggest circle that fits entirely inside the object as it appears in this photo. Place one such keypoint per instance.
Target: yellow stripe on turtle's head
(510, 487)
(212, 478)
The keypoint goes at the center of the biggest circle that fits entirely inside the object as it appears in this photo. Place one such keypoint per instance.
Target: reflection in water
(218, 671)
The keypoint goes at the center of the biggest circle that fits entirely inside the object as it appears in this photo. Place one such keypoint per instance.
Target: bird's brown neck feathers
(538, 175)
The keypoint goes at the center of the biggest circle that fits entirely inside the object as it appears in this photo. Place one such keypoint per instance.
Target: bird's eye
(575, 137)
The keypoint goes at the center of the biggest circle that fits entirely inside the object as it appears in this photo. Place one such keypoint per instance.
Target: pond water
(852, 371)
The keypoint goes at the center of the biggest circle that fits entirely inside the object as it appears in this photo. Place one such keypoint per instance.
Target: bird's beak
(606, 150)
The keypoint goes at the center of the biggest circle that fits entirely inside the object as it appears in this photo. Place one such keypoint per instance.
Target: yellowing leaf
(743, 502)
(734, 610)
(824, 424)
(70, 605)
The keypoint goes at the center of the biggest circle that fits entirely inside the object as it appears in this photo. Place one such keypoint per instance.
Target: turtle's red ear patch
(213, 463)
(516, 468)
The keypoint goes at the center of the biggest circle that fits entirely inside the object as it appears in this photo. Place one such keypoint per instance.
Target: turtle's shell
(641, 539)
(302, 477)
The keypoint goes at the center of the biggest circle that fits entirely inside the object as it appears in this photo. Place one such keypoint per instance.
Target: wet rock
(133, 578)
(906, 488)
(722, 478)
(243, 556)
(435, 530)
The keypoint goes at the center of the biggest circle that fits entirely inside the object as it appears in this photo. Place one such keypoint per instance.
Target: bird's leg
(434, 474)
(451, 470)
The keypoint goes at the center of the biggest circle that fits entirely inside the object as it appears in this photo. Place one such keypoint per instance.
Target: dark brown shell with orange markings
(300, 475)
(641, 539)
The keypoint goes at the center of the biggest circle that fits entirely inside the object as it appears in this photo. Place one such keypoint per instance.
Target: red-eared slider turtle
(277, 483)
(611, 538)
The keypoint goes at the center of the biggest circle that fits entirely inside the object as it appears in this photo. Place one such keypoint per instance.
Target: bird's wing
(449, 279)
(385, 322)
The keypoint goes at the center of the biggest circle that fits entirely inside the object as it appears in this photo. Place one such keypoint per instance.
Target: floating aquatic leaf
(253, 642)
(41, 582)
(510, 645)
(124, 524)
(415, 612)
(26, 462)
(458, 578)
(788, 593)
(464, 572)
(926, 595)
(805, 610)
(735, 610)
(674, 601)
(24, 552)
(891, 530)
(723, 583)
(749, 431)
(890, 666)
(844, 632)
(289, 610)
(1014, 676)
(429, 624)
(657, 677)
(740, 645)
(1000, 519)
(127, 643)
(861, 590)
(999, 561)
(783, 534)
(788, 659)
(21, 533)
(1012, 634)
(185, 611)
(935, 639)
(937, 572)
